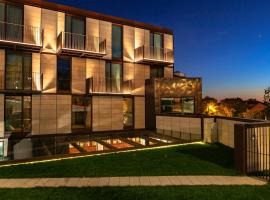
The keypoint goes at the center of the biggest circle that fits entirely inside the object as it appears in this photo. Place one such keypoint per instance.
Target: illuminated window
(13, 29)
(18, 113)
(177, 105)
(81, 112)
(113, 73)
(18, 70)
(74, 32)
(117, 42)
(128, 113)
(156, 72)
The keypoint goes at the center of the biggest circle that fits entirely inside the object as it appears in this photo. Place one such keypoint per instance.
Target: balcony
(154, 55)
(16, 82)
(21, 37)
(96, 85)
(81, 45)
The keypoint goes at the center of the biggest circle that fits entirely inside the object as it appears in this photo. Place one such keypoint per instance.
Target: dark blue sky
(226, 42)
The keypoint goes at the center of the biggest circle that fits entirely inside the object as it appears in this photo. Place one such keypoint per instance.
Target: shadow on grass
(214, 153)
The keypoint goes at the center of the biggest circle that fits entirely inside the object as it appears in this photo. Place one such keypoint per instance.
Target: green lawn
(142, 193)
(193, 159)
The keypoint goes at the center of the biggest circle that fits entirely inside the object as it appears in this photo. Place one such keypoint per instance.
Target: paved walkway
(129, 181)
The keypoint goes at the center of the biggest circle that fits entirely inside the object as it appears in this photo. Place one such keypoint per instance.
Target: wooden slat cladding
(94, 15)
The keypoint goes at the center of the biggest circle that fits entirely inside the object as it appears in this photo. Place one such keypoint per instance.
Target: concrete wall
(225, 131)
(210, 130)
(186, 128)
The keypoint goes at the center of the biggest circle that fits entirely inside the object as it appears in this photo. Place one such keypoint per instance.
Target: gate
(252, 144)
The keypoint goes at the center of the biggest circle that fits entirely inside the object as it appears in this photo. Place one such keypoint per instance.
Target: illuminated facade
(64, 70)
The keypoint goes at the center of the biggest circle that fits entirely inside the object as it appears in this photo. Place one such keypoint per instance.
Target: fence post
(240, 148)
(202, 128)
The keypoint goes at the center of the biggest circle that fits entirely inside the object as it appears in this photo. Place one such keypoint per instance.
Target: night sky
(226, 42)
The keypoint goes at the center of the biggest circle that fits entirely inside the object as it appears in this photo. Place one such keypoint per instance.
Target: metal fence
(252, 144)
(81, 42)
(16, 80)
(108, 85)
(21, 33)
(154, 53)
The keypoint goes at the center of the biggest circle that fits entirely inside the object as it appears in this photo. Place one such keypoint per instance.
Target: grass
(193, 159)
(142, 193)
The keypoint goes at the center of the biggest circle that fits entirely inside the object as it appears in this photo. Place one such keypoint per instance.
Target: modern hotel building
(65, 70)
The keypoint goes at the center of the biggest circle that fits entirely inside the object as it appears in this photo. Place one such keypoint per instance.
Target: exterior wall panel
(92, 27)
(96, 69)
(63, 114)
(49, 70)
(107, 113)
(36, 108)
(32, 18)
(48, 119)
(106, 32)
(139, 112)
(128, 43)
(49, 24)
(78, 75)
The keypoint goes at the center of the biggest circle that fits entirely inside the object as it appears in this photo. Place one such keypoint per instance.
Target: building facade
(64, 70)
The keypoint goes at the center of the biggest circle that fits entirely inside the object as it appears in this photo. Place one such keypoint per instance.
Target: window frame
(110, 78)
(21, 53)
(19, 5)
(133, 116)
(181, 100)
(122, 43)
(70, 78)
(22, 115)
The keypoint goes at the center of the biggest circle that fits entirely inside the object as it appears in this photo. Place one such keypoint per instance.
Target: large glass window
(177, 105)
(18, 113)
(74, 32)
(156, 40)
(63, 74)
(188, 104)
(113, 77)
(81, 112)
(18, 70)
(156, 72)
(128, 113)
(13, 16)
(117, 42)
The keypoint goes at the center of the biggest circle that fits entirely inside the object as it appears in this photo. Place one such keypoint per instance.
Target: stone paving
(129, 181)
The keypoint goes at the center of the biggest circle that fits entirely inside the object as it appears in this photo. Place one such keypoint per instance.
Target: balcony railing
(20, 35)
(17, 81)
(154, 55)
(83, 45)
(108, 85)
